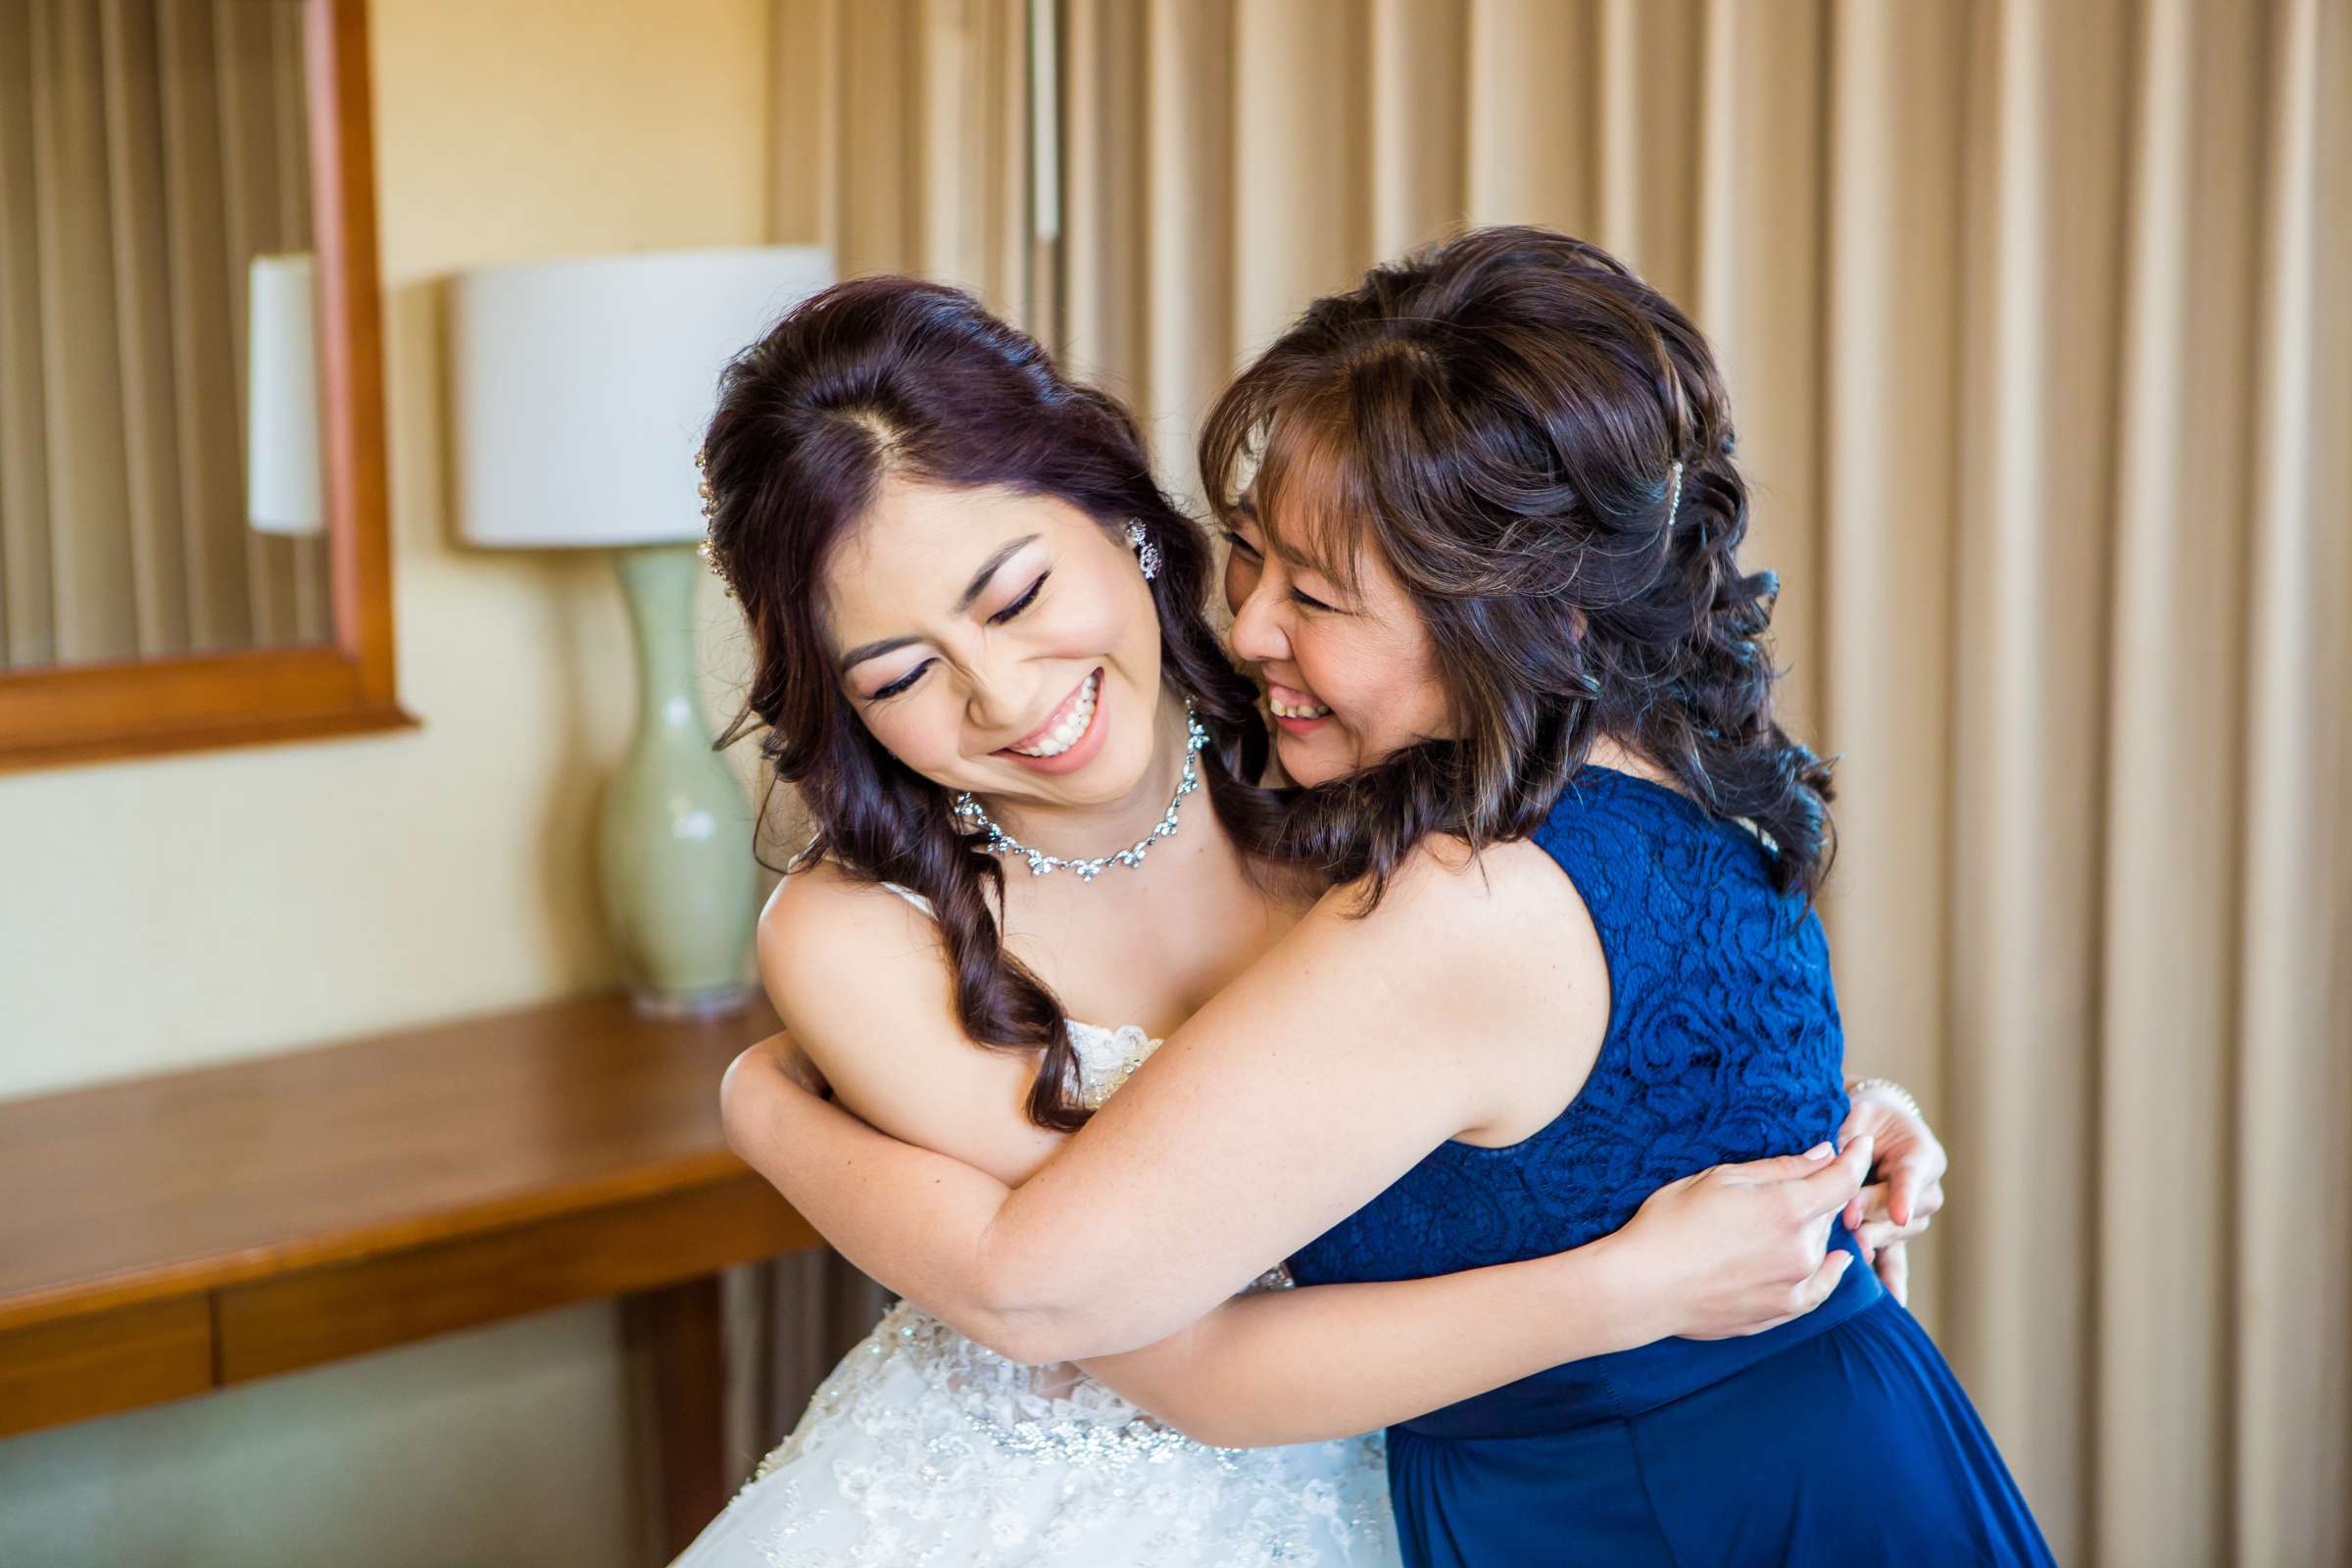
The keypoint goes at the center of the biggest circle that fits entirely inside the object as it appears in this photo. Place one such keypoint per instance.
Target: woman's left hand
(1906, 1183)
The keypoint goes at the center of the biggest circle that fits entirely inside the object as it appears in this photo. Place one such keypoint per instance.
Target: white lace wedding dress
(924, 1450)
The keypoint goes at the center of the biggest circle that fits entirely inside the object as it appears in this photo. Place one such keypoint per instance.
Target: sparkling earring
(1147, 553)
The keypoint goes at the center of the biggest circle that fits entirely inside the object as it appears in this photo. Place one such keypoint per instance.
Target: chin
(1300, 763)
(1113, 776)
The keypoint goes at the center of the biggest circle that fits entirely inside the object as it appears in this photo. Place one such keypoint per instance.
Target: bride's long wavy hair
(892, 376)
(1538, 445)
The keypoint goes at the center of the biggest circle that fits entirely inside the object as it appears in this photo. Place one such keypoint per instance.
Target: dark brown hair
(892, 376)
(1498, 417)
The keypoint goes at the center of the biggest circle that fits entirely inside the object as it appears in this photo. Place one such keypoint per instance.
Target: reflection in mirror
(158, 412)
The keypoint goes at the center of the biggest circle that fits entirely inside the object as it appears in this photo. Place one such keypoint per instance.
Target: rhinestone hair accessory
(702, 466)
(1674, 495)
(1147, 553)
(974, 816)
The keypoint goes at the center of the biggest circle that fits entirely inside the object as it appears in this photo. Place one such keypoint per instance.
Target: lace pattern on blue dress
(1723, 1045)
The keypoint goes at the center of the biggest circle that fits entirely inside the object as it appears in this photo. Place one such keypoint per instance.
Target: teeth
(1064, 734)
(1283, 709)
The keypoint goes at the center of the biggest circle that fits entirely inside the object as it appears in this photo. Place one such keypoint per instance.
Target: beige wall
(157, 915)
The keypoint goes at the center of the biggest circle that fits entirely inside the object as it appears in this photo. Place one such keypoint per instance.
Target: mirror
(193, 545)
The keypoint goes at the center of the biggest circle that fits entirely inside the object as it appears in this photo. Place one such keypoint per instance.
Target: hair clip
(702, 464)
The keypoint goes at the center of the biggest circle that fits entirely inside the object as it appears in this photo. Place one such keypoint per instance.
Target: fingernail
(1817, 1151)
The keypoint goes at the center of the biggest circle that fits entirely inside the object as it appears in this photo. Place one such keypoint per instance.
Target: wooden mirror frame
(81, 713)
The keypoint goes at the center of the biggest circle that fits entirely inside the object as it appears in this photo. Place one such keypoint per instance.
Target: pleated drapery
(2036, 321)
(901, 136)
(149, 149)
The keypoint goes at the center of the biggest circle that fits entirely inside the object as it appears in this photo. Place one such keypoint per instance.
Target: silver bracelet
(1889, 1087)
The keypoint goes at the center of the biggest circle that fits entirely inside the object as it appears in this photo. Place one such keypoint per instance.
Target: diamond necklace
(1000, 842)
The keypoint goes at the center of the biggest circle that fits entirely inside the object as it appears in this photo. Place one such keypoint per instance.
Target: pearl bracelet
(1888, 1087)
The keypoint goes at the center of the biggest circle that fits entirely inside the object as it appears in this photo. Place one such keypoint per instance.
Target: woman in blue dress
(1485, 523)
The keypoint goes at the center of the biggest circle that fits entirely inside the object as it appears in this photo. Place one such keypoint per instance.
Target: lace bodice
(1723, 1045)
(1106, 1058)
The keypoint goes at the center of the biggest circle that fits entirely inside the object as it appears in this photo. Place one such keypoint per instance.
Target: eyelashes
(1248, 552)
(1024, 602)
(901, 684)
(1009, 613)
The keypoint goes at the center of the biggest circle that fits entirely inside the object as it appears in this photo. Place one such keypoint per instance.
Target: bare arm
(1180, 1203)
(1331, 1360)
(1722, 1253)
(1725, 1252)
(854, 972)
(1325, 1361)
(1309, 1085)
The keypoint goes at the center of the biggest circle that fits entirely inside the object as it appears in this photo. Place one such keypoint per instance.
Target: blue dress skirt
(1851, 1443)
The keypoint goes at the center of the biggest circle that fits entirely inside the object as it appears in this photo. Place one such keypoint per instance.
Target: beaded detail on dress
(923, 1447)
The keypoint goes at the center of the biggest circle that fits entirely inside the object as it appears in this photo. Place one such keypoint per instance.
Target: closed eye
(902, 683)
(1241, 544)
(1020, 604)
(1309, 602)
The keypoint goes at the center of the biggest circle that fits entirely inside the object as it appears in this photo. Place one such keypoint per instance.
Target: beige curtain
(2037, 323)
(902, 141)
(149, 149)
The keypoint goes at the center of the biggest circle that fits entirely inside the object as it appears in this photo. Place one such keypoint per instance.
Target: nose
(1258, 633)
(993, 696)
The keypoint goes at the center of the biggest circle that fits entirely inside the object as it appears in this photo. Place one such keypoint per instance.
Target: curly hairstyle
(1498, 419)
(887, 377)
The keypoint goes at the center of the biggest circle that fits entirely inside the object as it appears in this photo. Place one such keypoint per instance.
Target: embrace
(1408, 1019)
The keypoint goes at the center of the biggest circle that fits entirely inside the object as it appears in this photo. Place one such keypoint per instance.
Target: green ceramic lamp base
(673, 838)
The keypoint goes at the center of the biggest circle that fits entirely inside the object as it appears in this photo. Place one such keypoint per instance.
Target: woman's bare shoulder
(860, 976)
(821, 902)
(1445, 885)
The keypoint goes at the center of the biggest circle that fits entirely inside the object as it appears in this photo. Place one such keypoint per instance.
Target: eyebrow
(866, 651)
(971, 592)
(988, 569)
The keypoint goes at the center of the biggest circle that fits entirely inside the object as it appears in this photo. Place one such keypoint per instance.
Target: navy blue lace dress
(1839, 1439)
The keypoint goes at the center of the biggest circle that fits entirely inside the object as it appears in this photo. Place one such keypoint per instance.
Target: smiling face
(998, 642)
(1347, 670)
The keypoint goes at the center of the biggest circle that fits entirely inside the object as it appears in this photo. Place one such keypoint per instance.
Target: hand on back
(1737, 1249)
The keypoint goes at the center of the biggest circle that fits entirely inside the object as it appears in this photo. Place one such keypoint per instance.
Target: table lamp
(284, 494)
(578, 391)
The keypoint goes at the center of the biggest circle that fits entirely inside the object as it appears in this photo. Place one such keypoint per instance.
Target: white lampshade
(282, 490)
(580, 389)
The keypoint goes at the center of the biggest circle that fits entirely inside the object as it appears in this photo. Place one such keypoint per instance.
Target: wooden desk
(175, 1233)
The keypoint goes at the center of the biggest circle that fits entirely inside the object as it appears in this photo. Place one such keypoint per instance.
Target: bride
(980, 638)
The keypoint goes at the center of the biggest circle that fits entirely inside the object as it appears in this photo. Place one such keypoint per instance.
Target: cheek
(1102, 614)
(1411, 703)
(920, 729)
(1386, 695)
(1338, 667)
